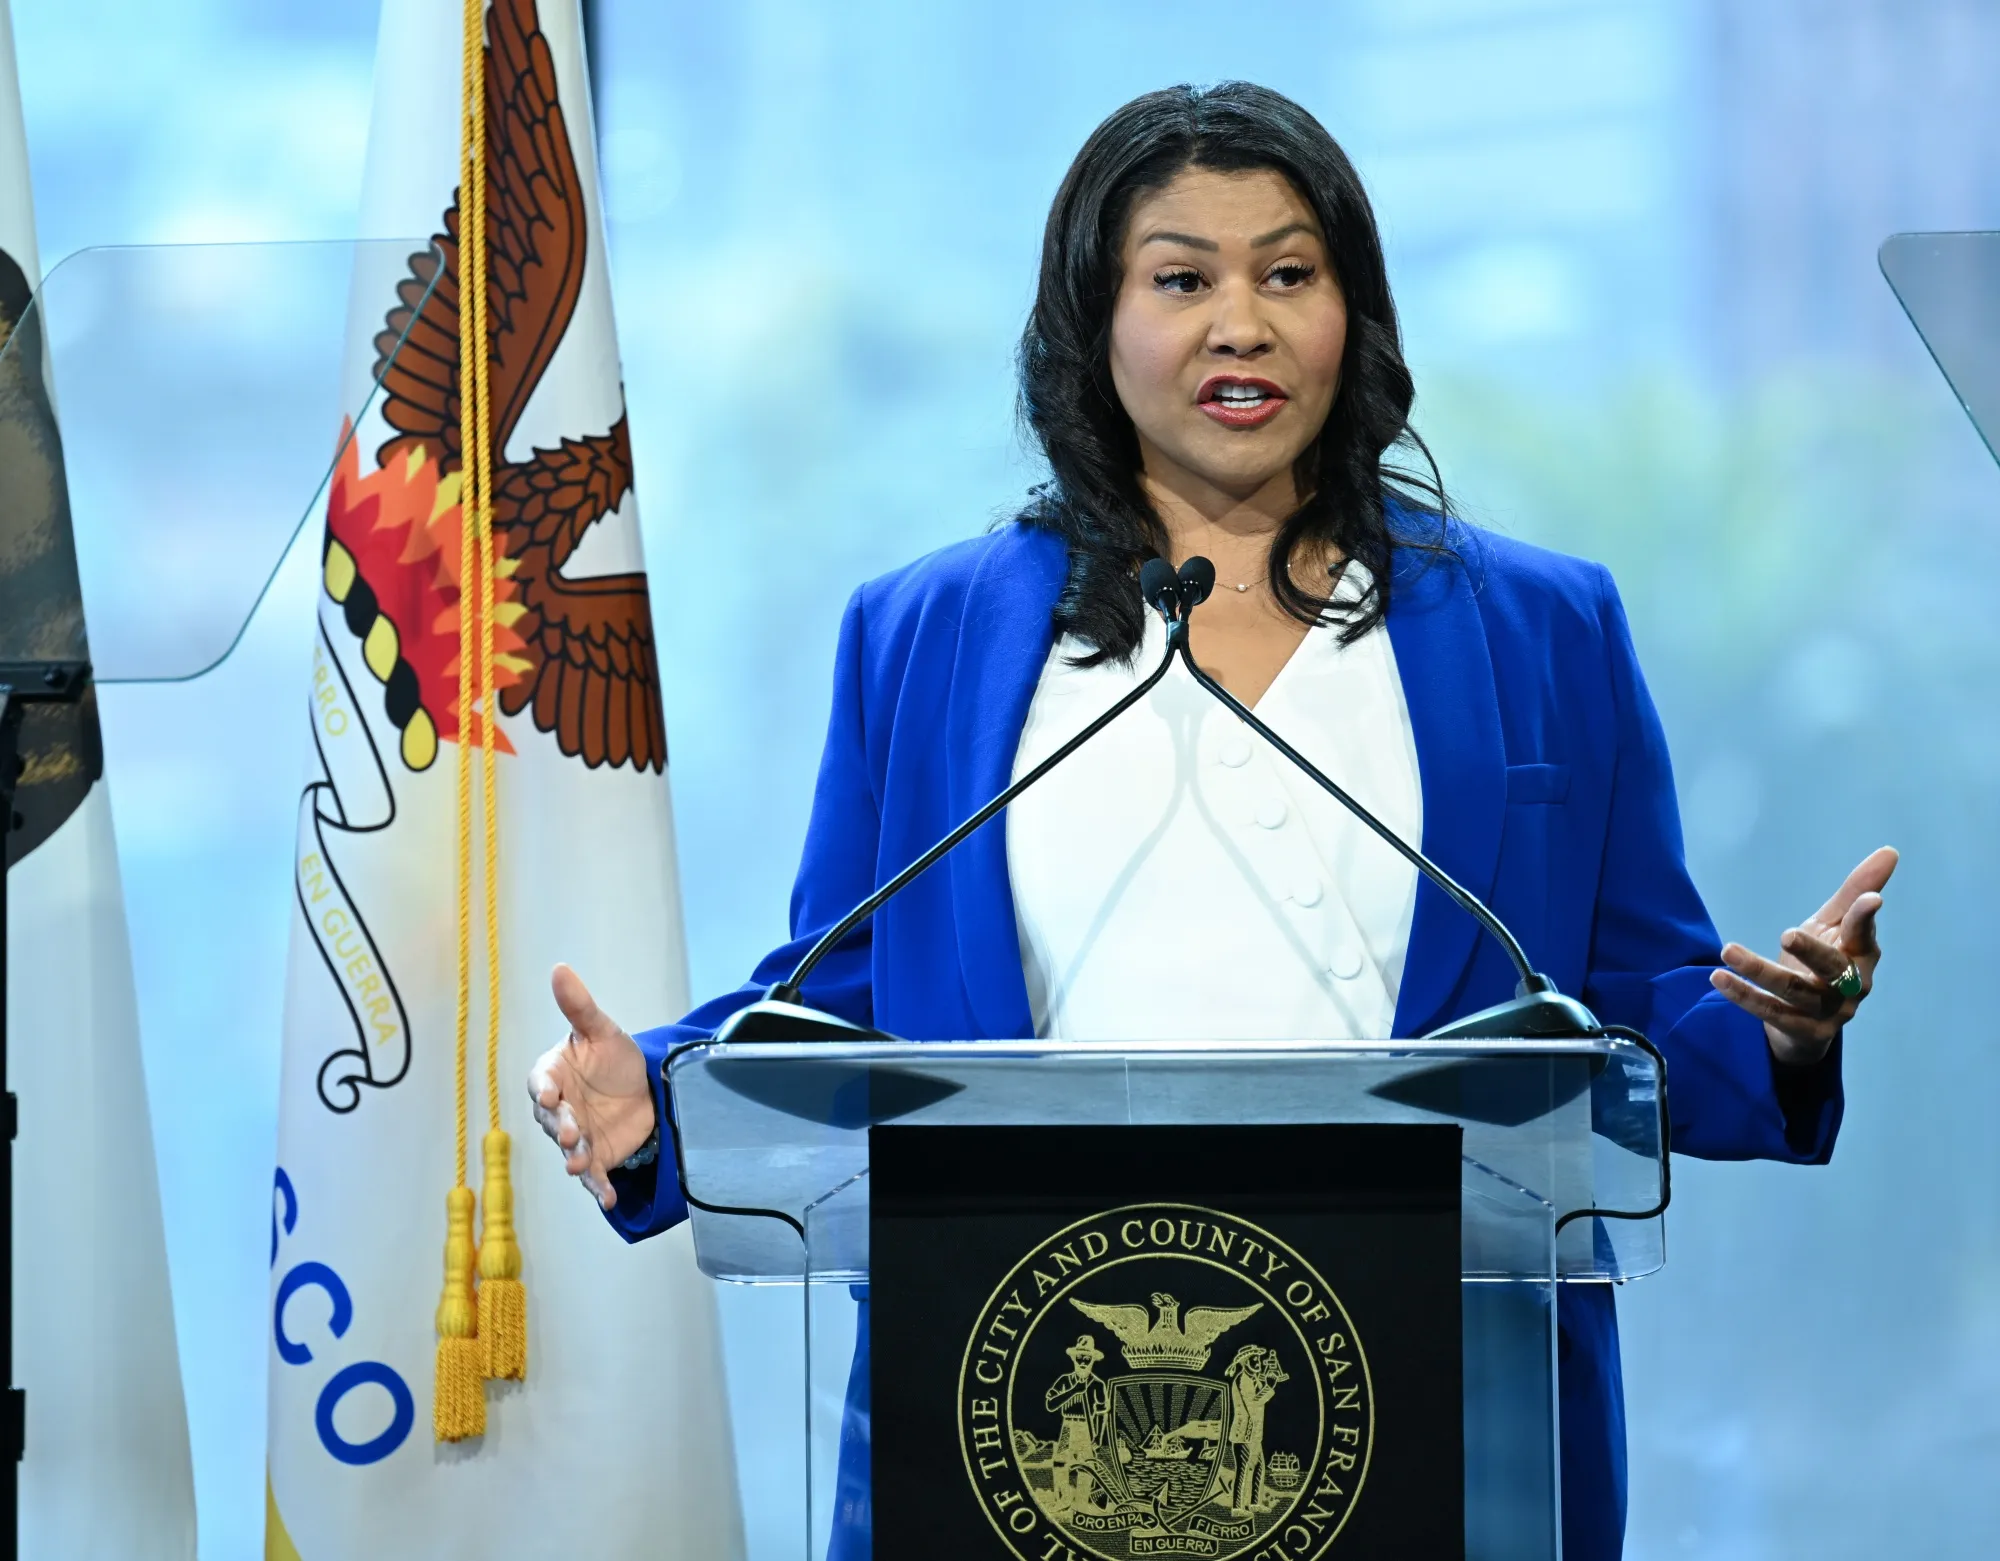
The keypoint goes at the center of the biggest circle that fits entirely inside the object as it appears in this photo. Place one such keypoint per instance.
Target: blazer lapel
(1003, 642)
(1447, 674)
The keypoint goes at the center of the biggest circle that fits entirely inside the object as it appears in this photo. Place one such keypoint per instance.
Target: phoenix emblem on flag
(575, 652)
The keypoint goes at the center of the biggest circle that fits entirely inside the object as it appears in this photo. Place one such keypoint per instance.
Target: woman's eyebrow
(1167, 236)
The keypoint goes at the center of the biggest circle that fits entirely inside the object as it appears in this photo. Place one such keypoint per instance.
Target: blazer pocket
(1538, 783)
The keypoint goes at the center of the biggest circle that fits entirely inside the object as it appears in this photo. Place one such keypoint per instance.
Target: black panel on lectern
(1106, 1343)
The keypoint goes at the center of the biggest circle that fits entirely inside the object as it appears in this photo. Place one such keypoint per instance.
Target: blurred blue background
(1634, 246)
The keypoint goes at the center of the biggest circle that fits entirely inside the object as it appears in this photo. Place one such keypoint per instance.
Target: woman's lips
(1240, 403)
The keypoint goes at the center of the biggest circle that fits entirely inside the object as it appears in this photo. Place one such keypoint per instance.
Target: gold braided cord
(471, 436)
(502, 1298)
(458, 1409)
(482, 367)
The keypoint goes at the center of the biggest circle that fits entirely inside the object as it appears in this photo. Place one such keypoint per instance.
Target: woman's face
(1228, 329)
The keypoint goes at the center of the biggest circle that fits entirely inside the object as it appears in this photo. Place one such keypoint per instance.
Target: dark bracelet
(645, 1154)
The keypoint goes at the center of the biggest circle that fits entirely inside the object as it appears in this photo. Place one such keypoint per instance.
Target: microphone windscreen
(1158, 586)
(1197, 580)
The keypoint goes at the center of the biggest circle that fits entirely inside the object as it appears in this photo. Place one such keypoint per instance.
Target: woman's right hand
(592, 1094)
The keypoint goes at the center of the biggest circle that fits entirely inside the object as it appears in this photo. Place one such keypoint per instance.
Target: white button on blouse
(1177, 879)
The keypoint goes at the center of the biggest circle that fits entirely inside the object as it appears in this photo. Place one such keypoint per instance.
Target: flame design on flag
(392, 565)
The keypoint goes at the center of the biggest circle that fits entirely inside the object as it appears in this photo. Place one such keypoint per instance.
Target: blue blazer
(1546, 789)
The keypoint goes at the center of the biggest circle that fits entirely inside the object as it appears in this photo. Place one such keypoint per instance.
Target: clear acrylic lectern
(773, 1140)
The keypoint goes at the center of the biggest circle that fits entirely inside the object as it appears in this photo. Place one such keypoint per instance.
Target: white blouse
(1177, 879)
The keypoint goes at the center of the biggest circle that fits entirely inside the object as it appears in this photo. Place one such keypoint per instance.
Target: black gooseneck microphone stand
(1537, 1010)
(781, 1014)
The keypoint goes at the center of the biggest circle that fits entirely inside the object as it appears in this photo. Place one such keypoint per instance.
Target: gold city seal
(1165, 1380)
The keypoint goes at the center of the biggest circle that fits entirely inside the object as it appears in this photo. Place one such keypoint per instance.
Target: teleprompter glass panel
(1949, 285)
(189, 403)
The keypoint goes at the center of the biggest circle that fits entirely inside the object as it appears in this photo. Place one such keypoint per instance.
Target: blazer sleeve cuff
(1731, 1099)
(1811, 1100)
(650, 1199)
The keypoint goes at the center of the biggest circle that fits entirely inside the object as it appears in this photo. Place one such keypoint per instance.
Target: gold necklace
(1246, 584)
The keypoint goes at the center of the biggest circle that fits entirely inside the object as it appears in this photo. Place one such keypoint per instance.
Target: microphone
(1160, 588)
(781, 1014)
(1537, 1011)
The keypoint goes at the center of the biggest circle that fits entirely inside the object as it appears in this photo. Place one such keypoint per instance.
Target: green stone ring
(1848, 983)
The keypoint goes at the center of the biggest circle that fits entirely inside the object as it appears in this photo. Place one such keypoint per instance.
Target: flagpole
(591, 17)
(21, 684)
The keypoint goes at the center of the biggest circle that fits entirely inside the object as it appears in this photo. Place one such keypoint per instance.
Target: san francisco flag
(106, 1469)
(405, 1420)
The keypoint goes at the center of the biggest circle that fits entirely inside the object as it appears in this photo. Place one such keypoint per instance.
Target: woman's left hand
(1800, 996)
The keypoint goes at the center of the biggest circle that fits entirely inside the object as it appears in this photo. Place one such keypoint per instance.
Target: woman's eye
(1178, 281)
(1295, 273)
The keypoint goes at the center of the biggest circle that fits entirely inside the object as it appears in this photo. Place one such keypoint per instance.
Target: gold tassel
(503, 1299)
(458, 1409)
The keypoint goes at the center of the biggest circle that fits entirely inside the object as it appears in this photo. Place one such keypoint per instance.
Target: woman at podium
(1213, 367)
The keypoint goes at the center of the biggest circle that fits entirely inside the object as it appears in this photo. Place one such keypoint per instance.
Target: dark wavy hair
(1355, 497)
